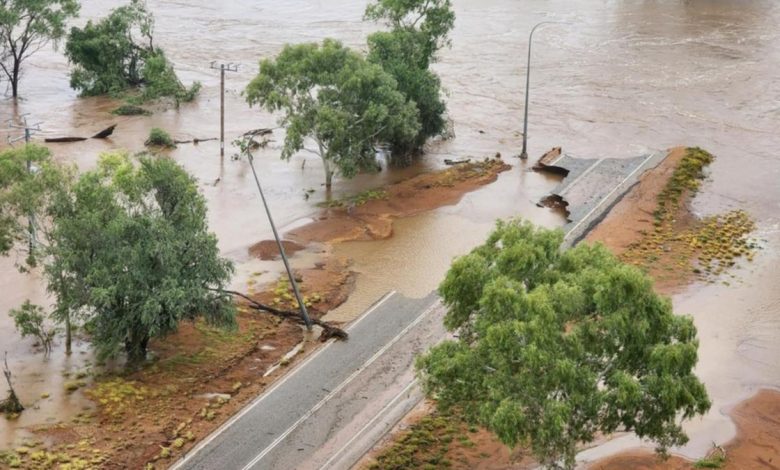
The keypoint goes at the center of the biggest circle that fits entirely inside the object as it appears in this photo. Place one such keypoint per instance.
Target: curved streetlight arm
(524, 153)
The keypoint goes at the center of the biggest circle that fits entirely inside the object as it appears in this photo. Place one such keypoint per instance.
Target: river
(618, 79)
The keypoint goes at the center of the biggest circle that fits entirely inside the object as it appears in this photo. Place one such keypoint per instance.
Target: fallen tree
(328, 330)
(100, 135)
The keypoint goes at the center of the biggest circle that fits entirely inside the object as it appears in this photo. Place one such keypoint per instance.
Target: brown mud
(757, 445)
(268, 250)
(370, 217)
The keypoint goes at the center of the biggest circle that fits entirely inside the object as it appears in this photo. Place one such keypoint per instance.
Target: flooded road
(620, 79)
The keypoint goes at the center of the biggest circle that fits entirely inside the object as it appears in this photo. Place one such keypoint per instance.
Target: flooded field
(619, 79)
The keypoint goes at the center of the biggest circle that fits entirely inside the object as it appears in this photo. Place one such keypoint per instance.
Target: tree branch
(329, 331)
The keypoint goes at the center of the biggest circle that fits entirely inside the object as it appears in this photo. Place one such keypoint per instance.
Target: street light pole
(524, 153)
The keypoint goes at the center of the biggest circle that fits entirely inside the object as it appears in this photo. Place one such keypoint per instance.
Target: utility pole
(229, 67)
(290, 275)
(524, 153)
(28, 131)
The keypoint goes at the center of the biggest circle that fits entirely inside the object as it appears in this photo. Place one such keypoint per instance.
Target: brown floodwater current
(619, 79)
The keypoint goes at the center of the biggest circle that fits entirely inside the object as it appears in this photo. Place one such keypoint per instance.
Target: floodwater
(620, 78)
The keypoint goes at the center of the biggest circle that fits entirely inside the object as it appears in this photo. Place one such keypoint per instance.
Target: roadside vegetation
(555, 348)
(125, 248)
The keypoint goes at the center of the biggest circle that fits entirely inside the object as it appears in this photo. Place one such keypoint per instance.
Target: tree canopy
(26, 26)
(419, 29)
(555, 347)
(332, 97)
(132, 255)
(29, 180)
(118, 53)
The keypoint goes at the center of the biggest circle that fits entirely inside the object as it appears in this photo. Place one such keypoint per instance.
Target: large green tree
(125, 248)
(118, 53)
(556, 347)
(333, 99)
(26, 26)
(132, 255)
(418, 30)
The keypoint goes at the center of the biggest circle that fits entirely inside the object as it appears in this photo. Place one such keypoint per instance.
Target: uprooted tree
(26, 26)
(556, 347)
(118, 53)
(334, 104)
(418, 30)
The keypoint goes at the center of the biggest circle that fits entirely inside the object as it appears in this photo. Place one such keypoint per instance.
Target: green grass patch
(160, 138)
(131, 110)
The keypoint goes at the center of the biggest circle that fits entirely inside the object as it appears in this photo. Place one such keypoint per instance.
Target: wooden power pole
(230, 67)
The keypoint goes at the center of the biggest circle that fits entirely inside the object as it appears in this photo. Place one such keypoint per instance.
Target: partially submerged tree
(26, 26)
(11, 404)
(331, 97)
(30, 320)
(555, 347)
(118, 53)
(419, 29)
(133, 255)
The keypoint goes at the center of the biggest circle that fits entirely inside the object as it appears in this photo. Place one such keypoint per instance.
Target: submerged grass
(704, 248)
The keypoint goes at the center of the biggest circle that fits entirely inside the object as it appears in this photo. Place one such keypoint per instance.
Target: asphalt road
(315, 410)
(335, 405)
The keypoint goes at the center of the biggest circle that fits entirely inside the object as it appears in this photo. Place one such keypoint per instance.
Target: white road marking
(583, 175)
(278, 384)
(370, 423)
(582, 220)
(336, 390)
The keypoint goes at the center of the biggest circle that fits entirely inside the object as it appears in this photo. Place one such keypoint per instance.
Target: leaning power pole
(229, 67)
(28, 131)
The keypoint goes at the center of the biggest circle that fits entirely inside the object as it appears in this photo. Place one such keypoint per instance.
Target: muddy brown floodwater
(619, 79)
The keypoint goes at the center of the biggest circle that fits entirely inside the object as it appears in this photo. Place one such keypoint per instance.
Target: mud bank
(370, 215)
(757, 445)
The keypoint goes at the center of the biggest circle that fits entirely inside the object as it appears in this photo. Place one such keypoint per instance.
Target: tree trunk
(328, 174)
(135, 347)
(15, 79)
(68, 334)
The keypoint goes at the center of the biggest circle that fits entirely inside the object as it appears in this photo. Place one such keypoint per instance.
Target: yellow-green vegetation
(73, 457)
(706, 247)
(118, 396)
(73, 385)
(466, 171)
(356, 200)
(424, 445)
(284, 296)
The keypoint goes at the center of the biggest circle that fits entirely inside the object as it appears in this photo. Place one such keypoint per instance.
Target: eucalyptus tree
(418, 30)
(333, 103)
(26, 26)
(556, 347)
